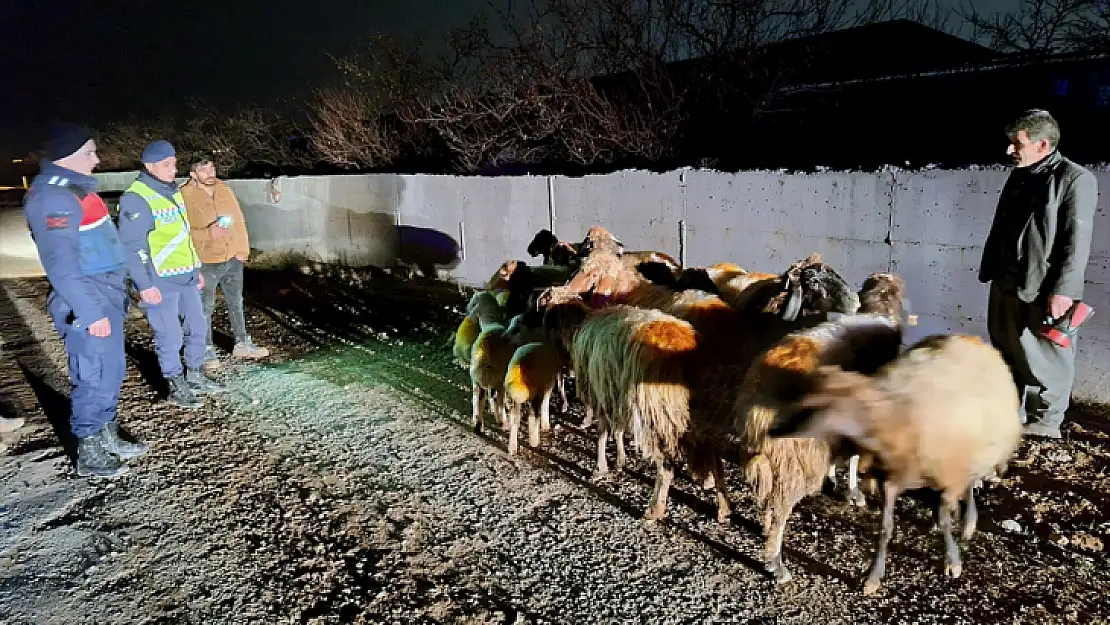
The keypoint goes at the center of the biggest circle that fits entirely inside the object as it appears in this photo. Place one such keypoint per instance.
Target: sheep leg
(514, 427)
(724, 511)
(602, 440)
(663, 476)
(772, 547)
(501, 409)
(971, 515)
(589, 418)
(832, 474)
(878, 564)
(476, 401)
(564, 406)
(952, 566)
(855, 495)
(534, 421)
(621, 458)
(545, 411)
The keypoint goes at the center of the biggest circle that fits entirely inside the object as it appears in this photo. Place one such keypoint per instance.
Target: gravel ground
(338, 482)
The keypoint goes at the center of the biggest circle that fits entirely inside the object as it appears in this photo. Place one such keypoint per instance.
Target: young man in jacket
(79, 248)
(154, 230)
(1035, 259)
(220, 235)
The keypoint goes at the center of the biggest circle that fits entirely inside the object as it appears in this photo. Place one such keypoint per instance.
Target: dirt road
(339, 483)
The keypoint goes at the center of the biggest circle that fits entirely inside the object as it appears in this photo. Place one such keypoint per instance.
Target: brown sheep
(782, 471)
(942, 415)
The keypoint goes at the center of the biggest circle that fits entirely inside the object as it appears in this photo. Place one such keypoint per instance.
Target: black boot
(181, 395)
(93, 459)
(116, 445)
(201, 384)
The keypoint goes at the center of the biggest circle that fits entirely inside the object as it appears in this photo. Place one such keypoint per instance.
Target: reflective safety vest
(171, 246)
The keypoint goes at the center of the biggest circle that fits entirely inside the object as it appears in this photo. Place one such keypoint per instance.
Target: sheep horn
(793, 302)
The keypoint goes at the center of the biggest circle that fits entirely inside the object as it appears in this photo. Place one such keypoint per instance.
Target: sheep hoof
(856, 498)
(655, 515)
(599, 475)
(953, 570)
(870, 586)
(782, 575)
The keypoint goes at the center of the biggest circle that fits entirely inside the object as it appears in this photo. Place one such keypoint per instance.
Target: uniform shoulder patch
(57, 221)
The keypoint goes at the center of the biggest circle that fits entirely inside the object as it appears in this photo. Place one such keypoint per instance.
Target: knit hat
(65, 139)
(157, 151)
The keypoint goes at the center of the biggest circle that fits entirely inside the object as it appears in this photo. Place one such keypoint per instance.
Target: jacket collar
(165, 188)
(1047, 163)
(50, 169)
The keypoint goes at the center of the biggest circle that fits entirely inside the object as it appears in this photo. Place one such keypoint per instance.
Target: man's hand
(216, 232)
(151, 296)
(200, 281)
(101, 327)
(1058, 305)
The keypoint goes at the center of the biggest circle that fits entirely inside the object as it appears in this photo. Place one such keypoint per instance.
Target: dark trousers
(97, 365)
(177, 320)
(1034, 361)
(228, 276)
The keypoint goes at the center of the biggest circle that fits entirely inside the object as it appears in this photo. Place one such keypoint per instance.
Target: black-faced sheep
(942, 415)
(782, 471)
(554, 251)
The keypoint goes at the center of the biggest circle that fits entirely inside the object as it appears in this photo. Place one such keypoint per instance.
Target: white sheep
(942, 415)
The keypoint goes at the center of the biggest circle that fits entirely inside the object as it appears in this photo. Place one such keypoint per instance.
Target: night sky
(88, 61)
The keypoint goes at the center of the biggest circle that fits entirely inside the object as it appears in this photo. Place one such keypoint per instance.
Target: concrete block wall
(928, 226)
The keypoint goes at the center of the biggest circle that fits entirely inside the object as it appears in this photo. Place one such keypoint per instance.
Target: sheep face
(563, 318)
(599, 239)
(814, 285)
(841, 405)
(542, 243)
(884, 294)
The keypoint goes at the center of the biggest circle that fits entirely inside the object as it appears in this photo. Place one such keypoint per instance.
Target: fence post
(551, 203)
(462, 241)
(682, 222)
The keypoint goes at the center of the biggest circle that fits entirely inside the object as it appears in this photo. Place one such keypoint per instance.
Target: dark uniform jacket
(1040, 239)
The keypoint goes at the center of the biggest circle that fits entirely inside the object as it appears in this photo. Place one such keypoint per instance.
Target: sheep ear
(793, 302)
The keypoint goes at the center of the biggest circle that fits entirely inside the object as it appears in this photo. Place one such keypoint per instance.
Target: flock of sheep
(788, 374)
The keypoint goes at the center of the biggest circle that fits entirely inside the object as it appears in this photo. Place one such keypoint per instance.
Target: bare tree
(349, 129)
(249, 136)
(121, 143)
(1045, 26)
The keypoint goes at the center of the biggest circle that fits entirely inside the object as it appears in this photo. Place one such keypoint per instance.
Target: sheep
(728, 339)
(942, 415)
(632, 365)
(489, 360)
(781, 471)
(598, 238)
(483, 309)
(554, 251)
(530, 378)
(520, 280)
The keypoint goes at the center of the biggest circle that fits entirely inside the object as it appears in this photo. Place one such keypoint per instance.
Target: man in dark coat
(1035, 258)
